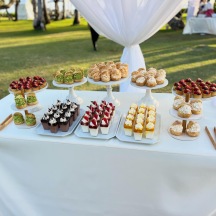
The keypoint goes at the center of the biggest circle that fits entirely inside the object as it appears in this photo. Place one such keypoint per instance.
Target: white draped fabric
(129, 23)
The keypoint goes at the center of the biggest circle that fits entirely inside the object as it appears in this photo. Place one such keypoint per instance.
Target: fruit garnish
(94, 121)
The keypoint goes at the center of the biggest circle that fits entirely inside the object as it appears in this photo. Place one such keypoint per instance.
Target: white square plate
(112, 131)
(41, 131)
(122, 137)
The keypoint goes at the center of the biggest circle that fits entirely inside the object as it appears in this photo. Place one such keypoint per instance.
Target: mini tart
(31, 99)
(206, 94)
(213, 91)
(179, 90)
(187, 91)
(197, 94)
(18, 118)
(176, 128)
(184, 111)
(35, 88)
(193, 129)
(196, 106)
(30, 119)
(27, 90)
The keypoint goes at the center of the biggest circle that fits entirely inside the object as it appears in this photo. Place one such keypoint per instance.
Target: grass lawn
(25, 52)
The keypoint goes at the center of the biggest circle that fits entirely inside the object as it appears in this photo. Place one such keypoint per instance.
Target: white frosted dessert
(176, 128)
(152, 113)
(128, 127)
(105, 126)
(93, 127)
(85, 124)
(138, 131)
(149, 133)
(151, 118)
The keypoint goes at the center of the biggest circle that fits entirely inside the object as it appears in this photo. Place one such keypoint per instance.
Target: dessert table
(45, 175)
(206, 25)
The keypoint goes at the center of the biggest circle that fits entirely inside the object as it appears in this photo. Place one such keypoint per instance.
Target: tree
(39, 21)
(4, 6)
(63, 7)
(41, 17)
(16, 10)
(56, 9)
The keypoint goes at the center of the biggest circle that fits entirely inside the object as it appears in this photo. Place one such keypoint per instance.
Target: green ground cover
(25, 52)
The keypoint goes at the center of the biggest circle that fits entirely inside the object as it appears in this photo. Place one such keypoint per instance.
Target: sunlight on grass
(25, 52)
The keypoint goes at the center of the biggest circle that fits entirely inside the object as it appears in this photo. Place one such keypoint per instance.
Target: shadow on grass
(49, 31)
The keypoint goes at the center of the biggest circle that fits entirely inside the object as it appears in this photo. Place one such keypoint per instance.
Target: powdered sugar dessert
(193, 129)
(176, 128)
(184, 111)
(178, 101)
(196, 106)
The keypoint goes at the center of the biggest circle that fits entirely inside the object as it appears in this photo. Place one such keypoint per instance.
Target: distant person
(206, 8)
(94, 37)
(201, 6)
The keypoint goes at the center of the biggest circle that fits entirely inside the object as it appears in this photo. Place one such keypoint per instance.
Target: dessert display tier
(174, 113)
(201, 98)
(32, 109)
(72, 95)
(183, 137)
(122, 137)
(148, 99)
(35, 91)
(187, 111)
(110, 97)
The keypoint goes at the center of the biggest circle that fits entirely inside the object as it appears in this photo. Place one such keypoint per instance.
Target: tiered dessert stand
(72, 95)
(109, 97)
(33, 108)
(184, 137)
(148, 99)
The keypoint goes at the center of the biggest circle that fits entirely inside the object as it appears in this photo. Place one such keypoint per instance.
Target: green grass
(25, 52)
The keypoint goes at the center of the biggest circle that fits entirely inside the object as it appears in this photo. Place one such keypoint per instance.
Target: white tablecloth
(46, 176)
(205, 25)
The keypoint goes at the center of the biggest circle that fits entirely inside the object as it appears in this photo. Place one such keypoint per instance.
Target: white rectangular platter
(41, 131)
(112, 131)
(122, 137)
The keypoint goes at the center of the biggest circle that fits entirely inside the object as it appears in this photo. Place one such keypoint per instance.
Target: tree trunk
(46, 16)
(16, 10)
(56, 9)
(76, 17)
(39, 23)
(63, 7)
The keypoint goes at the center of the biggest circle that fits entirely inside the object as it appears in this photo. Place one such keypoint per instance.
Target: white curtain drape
(129, 23)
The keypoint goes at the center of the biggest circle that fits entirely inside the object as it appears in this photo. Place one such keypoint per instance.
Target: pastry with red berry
(104, 125)
(93, 127)
(206, 94)
(212, 91)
